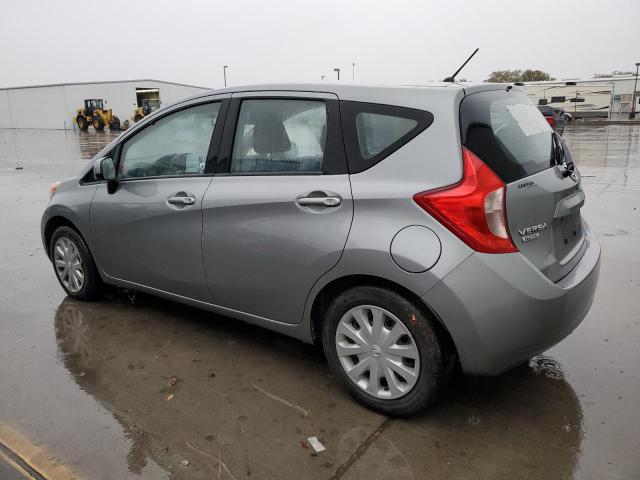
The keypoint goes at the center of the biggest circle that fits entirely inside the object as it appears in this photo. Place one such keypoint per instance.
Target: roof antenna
(451, 79)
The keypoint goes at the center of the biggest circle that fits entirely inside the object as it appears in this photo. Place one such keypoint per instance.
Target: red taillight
(551, 120)
(474, 208)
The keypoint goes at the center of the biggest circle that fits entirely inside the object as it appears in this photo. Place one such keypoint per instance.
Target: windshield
(507, 132)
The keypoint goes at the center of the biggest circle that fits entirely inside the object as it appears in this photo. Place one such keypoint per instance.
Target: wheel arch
(333, 288)
(52, 224)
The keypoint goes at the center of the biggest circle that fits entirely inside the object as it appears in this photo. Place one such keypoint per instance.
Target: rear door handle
(319, 201)
(180, 200)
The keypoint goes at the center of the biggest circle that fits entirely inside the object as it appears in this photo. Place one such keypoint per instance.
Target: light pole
(633, 97)
(338, 71)
(353, 71)
(224, 72)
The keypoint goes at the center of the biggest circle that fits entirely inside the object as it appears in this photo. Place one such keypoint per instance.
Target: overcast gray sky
(391, 41)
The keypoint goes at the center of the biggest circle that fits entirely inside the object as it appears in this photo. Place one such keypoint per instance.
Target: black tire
(82, 123)
(137, 118)
(115, 124)
(432, 372)
(98, 124)
(92, 285)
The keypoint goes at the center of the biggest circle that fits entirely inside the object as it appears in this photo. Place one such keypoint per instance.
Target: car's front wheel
(384, 349)
(73, 265)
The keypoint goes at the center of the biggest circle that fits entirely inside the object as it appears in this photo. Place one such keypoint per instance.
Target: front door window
(175, 145)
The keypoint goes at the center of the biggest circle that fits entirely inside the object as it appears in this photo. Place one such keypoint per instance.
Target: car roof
(354, 91)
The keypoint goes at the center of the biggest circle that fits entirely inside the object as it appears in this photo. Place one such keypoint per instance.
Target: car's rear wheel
(73, 264)
(384, 349)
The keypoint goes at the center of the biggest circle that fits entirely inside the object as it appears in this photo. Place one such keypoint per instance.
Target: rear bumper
(500, 310)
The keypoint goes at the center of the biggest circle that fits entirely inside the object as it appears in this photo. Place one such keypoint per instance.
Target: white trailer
(580, 100)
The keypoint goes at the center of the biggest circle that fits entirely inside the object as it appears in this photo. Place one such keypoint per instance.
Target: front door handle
(319, 201)
(181, 200)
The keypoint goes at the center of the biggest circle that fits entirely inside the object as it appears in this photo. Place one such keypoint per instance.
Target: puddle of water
(49, 152)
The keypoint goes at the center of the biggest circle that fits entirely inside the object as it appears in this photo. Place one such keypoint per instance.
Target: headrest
(269, 135)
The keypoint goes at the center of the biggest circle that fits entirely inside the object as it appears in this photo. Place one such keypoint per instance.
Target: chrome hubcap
(68, 263)
(377, 352)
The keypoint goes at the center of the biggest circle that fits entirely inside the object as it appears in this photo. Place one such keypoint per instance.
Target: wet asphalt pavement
(148, 389)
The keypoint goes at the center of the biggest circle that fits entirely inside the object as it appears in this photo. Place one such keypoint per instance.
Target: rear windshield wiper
(559, 158)
(554, 151)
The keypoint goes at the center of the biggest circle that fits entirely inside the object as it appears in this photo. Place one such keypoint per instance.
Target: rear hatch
(543, 191)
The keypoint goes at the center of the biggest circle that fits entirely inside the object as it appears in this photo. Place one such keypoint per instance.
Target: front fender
(71, 202)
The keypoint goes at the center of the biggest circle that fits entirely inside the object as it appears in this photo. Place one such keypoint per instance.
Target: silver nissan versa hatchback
(402, 228)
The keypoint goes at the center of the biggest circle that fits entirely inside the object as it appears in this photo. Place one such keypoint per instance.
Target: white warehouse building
(55, 106)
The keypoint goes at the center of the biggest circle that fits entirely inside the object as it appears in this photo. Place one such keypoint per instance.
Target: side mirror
(104, 169)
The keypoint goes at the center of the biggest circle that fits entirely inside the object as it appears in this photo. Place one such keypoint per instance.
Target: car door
(148, 231)
(278, 212)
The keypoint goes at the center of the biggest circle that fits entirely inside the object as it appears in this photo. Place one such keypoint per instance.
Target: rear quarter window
(374, 131)
(508, 132)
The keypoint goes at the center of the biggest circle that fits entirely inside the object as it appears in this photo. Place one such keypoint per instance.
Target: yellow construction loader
(147, 106)
(95, 114)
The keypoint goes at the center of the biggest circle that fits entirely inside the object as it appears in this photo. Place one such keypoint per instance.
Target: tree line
(529, 75)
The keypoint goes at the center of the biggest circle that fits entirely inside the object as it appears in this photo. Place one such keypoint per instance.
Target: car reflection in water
(179, 379)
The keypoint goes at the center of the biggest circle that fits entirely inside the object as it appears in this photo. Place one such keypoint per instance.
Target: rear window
(508, 132)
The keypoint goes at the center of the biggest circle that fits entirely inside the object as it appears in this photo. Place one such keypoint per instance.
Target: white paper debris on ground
(315, 444)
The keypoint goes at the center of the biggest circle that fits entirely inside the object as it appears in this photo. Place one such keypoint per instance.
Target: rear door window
(373, 131)
(280, 135)
(508, 132)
